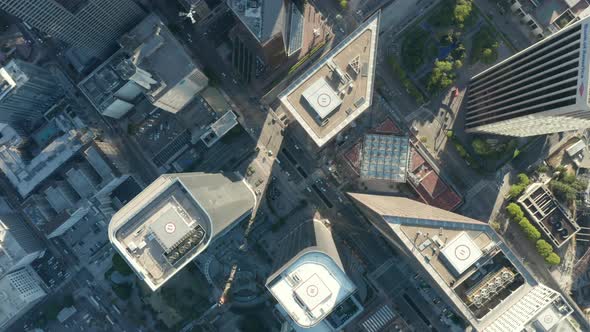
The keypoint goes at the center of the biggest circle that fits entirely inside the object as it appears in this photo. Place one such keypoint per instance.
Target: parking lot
(161, 134)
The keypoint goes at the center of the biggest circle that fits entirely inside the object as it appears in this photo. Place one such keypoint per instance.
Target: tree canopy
(514, 212)
(442, 75)
(553, 259)
(530, 231)
(120, 265)
(544, 248)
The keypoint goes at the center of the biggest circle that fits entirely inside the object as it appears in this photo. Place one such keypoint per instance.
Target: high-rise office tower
(27, 91)
(176, 218)
(310, 280)
(541, 89)
(19, 244)
(469, 266)
(91, 26)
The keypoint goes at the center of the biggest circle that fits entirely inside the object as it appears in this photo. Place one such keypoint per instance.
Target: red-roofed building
(353, 157)
(388, 126)
(429, 186)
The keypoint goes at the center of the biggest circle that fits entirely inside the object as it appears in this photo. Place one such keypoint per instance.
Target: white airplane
(190, 14)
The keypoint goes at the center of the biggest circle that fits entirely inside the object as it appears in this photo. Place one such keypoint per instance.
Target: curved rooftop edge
(312, 283)
(175, 218)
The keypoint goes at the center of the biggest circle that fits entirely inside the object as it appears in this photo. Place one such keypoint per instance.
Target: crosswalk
(379, 319)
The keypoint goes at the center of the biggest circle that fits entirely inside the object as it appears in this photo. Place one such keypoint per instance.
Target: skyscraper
(92, 26)
(27, 91)
(19, 244)
(541, 89)
(176, 218)
(310, 282)
(469, 266)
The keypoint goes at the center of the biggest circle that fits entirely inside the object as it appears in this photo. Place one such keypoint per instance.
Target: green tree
(523, 179)
(553, 259)
(447, 39)
(529, 230)
(515, 191)
(459, 52)
(120, 265)
(514, 212)
(495, 225)
(413, 48)
(487, 55)
(481, 147)
(462, 11)
(484, 46)
(461, 150)
(343, 4)
(542, 168)
(544, 248)
(442, 76)
(567, 186)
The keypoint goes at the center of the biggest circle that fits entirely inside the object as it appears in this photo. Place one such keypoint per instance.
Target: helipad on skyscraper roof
(331, 94)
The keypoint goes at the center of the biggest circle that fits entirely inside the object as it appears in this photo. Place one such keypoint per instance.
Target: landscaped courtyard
(433, 52)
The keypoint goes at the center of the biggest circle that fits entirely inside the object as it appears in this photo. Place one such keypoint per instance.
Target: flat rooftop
(311, 288)
(332, 93)
(151, 61)
(174, 219)
(263, 18)
(150, 236)
(467, 262)
(547, 213)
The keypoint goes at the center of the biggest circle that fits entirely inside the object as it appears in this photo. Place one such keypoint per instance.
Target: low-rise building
(219, 128)
(150, 63)
(19, 244)
(546, 212)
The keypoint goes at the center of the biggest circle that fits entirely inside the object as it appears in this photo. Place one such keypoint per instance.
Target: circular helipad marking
(312, 291)
(170, 227)
(462, 252)
(324, 100)
(548, 319)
